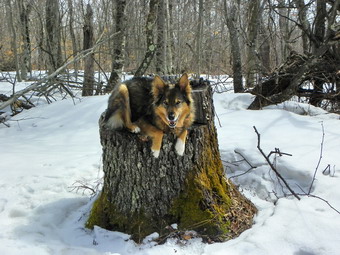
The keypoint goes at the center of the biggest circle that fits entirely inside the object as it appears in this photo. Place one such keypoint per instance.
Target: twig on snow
(247, 161)
(320, 157)
(271, 164)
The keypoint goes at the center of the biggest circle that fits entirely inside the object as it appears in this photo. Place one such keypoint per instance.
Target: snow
(48, 149)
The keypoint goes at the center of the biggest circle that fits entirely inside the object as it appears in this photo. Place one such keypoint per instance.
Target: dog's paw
(155, 153)
(135, 129)
(180, 147)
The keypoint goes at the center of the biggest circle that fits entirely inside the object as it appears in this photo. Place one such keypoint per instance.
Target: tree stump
(143, 194)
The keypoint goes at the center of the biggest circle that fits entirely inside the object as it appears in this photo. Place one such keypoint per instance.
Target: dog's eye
(166, 103)
(178, 102)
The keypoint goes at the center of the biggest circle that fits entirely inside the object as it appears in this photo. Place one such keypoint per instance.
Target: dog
(153, 107)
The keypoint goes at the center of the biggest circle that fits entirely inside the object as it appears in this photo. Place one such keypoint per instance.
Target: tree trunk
(231, 19)
(305, 26)
(26, 65)
(72, 35)
(53, 23)
(88, 84)
(199, 38)
(264, 48)
(253, 27)
(150, 44)
(284, 37)
(319, 36)
(13, 39)
(143, 194)
(119, 44)
(161, 42)
(169, 39)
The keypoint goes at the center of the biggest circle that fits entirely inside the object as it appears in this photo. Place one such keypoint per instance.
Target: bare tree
(88, 84)
(13, 38)
(161, 38)
(119, 44)
(317, 68)
(199, 38)
(150, 41)
(284, 34)
(231, 12)
(25, 63)
(304, 24)
(252, 32)
(72, 33)
(169, 39)
(264, 48)
(53, 23)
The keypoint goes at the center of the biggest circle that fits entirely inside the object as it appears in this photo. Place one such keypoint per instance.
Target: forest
(253, 171)
(276, 49)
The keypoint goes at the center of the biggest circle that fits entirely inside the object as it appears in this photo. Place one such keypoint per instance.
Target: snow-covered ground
(48, 150)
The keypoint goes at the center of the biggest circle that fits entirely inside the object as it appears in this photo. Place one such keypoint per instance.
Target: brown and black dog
(153, 107)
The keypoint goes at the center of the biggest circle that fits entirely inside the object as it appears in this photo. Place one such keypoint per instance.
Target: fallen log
(284, 83)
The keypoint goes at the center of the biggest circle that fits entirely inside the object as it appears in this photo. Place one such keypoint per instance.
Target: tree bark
(119, 44)
(72, 34)
(170, 38)
(264, 49)
(231, 19)
(88, 84)
(305, 26)
(142, 194)
(13, 39)
(319, 36)
(26, 65)
(199, 39)
(150, 44)
(53, 23)
(161, 39)
(252, 31)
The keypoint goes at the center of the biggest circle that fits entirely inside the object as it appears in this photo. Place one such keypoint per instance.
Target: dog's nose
(171, 116)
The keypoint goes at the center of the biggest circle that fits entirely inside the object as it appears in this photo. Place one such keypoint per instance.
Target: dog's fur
(153, 107)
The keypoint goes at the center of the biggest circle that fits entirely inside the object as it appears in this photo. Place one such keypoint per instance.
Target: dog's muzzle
(172, 120)
(172, 124)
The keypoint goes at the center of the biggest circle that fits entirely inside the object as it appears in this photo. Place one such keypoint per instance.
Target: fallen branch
(320, 198)
(320, 157)
(247, 161)
(326, 171)
(84, 185)
(35, 85)
(271, 164)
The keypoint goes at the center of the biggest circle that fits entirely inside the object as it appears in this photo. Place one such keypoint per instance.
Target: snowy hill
(49, 148)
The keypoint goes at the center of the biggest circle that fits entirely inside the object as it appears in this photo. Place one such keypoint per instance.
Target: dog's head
(172, 101)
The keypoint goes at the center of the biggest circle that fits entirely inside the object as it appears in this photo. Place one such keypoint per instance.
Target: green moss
(105, 215)
(205, 200)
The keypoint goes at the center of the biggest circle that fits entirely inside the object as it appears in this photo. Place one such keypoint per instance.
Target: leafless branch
(83, 185)
(320, 198)
(271, 164)
(320, 157)
(35, 85)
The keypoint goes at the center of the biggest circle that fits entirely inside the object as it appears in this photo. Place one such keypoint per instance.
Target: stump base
(190, 191)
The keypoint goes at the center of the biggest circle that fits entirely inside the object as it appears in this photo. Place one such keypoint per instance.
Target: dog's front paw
(135, 129)
(155, 153)
(180, 147)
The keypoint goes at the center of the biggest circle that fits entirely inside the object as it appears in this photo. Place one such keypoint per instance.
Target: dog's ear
(158, 82)
(184, 82)
(158, 87)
